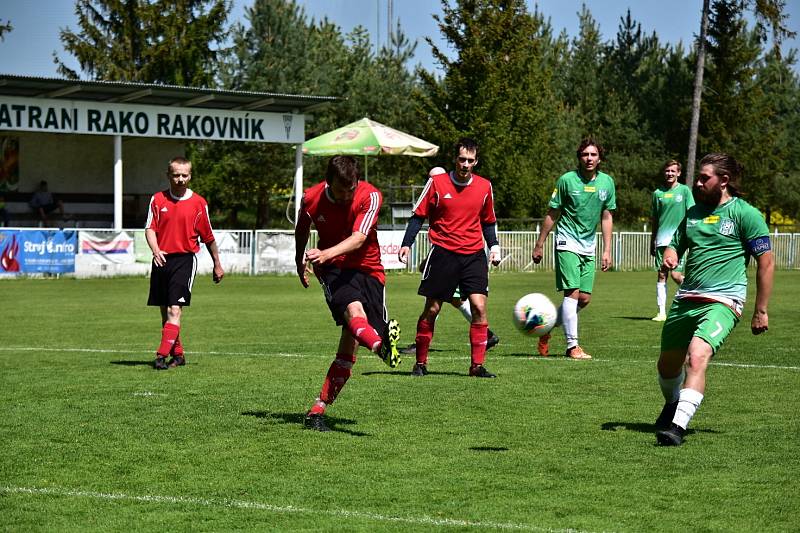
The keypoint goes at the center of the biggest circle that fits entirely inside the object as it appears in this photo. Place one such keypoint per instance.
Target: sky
(28, 49)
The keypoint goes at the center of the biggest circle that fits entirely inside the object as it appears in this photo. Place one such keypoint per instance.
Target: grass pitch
(94, 439)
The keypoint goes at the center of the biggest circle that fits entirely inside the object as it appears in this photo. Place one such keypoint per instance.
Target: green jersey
(581, 202)
(668, 210)
(720, 241)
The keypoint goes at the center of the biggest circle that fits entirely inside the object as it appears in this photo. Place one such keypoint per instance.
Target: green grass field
(94, 439)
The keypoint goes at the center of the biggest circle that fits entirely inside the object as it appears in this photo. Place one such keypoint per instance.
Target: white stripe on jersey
(372, 212)
(423, 194)
(149, 213)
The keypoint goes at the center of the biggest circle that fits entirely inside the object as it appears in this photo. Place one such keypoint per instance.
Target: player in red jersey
(347, 263)
(460, 211)
(176, 221)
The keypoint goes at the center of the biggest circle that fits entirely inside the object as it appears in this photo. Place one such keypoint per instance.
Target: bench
(87, 210)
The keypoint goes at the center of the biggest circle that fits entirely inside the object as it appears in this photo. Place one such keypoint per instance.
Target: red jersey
(179, 222)
(336, 222)
(455, 212)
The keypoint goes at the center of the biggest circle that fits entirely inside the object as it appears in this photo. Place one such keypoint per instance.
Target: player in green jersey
(670, 203)
(720, 233)
(582, 199)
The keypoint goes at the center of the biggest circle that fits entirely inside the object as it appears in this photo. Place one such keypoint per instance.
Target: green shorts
(574, 271)
(658, 259)
(710, 321)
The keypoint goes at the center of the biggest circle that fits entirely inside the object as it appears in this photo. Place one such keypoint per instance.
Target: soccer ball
(535, 314)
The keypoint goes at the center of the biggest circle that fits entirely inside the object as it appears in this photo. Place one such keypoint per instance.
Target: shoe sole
(394, 337)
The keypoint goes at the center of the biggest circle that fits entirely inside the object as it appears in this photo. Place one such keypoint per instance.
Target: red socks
(477, 340)
(364, 333)
(177, 348)
(339, 372)
(169, 334)
(423, 340)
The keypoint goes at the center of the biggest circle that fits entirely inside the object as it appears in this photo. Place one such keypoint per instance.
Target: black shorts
(343, 287)
(172, 283)
(445, 271)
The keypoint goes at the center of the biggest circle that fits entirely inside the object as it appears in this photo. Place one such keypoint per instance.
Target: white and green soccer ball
(535, 314)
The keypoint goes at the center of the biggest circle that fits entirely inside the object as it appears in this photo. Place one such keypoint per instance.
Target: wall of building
(85, 163)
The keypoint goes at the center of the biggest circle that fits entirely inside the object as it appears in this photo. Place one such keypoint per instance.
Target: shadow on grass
(332, 422)
(643, 427)
(408, 373)
(639, 318)
(133, 363)
(488, 448)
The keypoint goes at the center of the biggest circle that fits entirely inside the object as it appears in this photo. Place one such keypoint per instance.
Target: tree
(5, 27)
(499, 89)
(770, 12)
(150, 41)
(279, 50)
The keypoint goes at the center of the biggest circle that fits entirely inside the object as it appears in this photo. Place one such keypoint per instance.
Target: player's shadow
(408, 373)
(643, 427)
(132, 363)
(635, 318)
(488, 448)
(333, 422)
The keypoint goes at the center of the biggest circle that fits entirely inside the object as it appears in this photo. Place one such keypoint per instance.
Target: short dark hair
(467, 143)
(590, 141)
(670, 163)
(725, 164)
(178, 160)
(342, 167)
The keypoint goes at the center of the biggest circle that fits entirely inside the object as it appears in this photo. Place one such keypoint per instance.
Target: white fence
(103, 252)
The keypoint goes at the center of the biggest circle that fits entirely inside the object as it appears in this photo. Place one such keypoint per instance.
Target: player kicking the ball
(719, 235)
(347, 263)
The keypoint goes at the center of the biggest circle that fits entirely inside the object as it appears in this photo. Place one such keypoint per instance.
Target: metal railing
(272, 251)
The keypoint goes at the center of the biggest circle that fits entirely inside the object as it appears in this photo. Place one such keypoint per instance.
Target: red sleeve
(152, 215)
(487, 213)
(204, 224)
(425, 199)
(368, 210)
(303, 217)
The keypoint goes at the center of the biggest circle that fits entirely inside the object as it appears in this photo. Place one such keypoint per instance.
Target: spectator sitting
(44, 203)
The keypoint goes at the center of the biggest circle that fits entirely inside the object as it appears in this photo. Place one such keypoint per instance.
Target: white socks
(569, 316)
(687, 404)
(466, 311)
(671, 388)
(661, 296)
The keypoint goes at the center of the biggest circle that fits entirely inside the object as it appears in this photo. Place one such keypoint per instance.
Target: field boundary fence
(105, 253)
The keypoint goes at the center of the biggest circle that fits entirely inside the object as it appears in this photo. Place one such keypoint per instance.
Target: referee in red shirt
(347, 263)
(176, 221)
(460, 211)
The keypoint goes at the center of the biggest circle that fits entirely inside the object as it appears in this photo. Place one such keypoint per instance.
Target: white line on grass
(549, 360)
(244, 504)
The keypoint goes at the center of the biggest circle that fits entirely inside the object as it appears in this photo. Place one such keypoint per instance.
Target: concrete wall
(85, 163)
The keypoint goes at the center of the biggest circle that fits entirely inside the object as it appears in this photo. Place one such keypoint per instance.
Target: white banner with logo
(135, 120)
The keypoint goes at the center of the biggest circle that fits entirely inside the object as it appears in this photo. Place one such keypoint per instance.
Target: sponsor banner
(135, 120)
(107, 247)
(37, 251)
(389, 242)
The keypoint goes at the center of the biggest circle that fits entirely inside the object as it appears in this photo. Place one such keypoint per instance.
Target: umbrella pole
(366, 169)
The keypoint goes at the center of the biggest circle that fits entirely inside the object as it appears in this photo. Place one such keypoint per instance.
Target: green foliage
(151, 41)
(5, 27)
(105, 443)
(280, 50)
(499, 90)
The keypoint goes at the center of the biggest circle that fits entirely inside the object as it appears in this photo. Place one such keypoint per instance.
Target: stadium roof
(162, 95)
